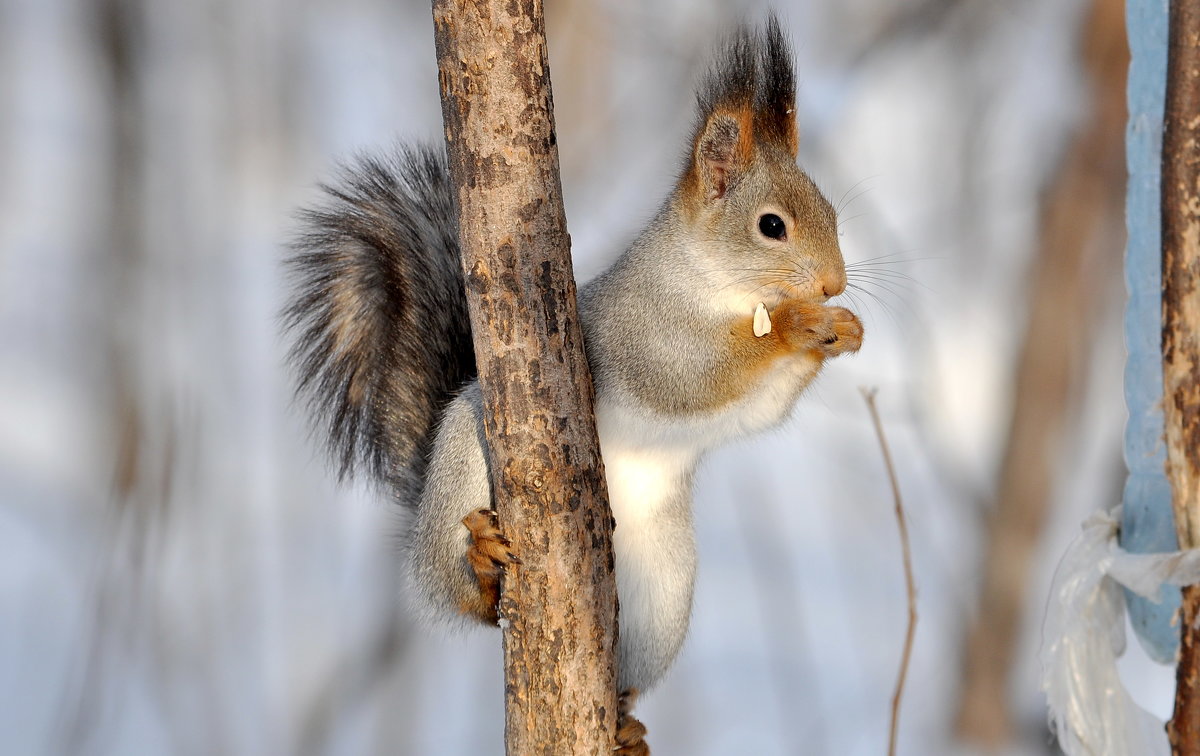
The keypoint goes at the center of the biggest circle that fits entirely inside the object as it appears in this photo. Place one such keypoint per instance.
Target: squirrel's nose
(833, 284)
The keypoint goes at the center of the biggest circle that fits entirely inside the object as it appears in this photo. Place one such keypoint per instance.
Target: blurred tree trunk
(1181, 338)
(117, 28)
(559, 606)
(1079, 249)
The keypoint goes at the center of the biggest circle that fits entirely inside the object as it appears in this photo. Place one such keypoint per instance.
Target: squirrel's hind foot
(488, 555)
(630, 732)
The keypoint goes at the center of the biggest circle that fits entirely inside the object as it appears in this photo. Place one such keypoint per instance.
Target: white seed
(762, 321)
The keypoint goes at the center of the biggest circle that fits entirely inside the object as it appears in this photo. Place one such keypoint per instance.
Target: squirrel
(706, 329)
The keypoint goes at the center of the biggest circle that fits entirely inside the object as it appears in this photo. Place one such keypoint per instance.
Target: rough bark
(559, 606)
(1078, 251)
(1184, 727)
(1181, 337)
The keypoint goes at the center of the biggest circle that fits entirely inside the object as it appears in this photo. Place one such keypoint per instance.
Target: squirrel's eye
(772, 226)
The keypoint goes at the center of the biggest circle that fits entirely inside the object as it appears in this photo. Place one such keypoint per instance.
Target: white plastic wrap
(1084, 634)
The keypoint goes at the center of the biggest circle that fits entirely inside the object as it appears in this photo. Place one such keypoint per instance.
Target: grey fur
(456, 484)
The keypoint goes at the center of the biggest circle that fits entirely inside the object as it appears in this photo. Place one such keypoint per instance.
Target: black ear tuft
(731, 78)
(775, 94)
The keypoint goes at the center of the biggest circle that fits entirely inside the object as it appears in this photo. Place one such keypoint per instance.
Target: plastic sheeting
(1090, 709)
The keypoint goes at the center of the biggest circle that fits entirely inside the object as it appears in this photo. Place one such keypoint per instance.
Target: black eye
(772, 226)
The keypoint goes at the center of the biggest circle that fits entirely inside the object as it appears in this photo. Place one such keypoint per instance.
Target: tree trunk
(559, 605)
(1181, 338)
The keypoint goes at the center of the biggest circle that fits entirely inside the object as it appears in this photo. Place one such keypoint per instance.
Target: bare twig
(909, 583)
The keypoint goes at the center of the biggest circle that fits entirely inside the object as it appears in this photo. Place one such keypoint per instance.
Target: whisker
(906, 282)
(843, 203)
(895, 297)
(738, 282)
(877, 270)
(887, 308)
(895, 254)
(773, 271)
(852, 295)
(747, 279)
(885, 286)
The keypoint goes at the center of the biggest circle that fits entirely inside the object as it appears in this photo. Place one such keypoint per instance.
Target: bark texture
(1079, 252)
(559, 606)
(1181, 337)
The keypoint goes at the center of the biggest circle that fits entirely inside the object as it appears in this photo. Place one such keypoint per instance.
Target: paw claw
(630, 732)
(490, 549)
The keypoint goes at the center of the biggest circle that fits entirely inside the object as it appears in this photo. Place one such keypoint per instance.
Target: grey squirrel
(705, 330)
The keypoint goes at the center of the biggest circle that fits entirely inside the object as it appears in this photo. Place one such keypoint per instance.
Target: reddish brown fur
(631, 733)
(745, 146)
(488, 554)
(742, 359)
(791, 140)
(796, 327)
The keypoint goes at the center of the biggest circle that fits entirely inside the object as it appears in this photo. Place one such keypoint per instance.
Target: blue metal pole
(1147, 522)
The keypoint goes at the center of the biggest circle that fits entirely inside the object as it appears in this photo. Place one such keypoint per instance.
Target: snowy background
(180, 573)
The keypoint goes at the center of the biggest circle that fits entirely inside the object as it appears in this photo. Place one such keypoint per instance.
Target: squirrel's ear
(723, 151)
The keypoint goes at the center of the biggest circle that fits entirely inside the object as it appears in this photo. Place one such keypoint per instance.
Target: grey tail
(377, 315)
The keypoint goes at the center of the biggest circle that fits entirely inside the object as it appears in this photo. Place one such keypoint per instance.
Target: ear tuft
(775, 94)
(748, 98)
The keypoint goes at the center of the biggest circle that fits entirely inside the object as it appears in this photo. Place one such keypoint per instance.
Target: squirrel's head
(764, 230)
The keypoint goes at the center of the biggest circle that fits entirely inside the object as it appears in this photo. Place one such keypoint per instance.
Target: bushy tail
(378, 314)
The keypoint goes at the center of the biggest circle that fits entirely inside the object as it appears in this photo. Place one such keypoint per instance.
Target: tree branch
(910, 583)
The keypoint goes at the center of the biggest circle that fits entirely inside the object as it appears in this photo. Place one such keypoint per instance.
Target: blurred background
(181, 574)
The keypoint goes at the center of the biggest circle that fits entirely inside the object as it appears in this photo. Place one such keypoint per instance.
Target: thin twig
(909, 583)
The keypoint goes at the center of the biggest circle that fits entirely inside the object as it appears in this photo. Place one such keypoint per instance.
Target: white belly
(655, 558)
(649, 460)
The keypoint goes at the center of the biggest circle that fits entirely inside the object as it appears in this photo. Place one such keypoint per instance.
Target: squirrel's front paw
(847, 332)
(488, 554)
(829, 331)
